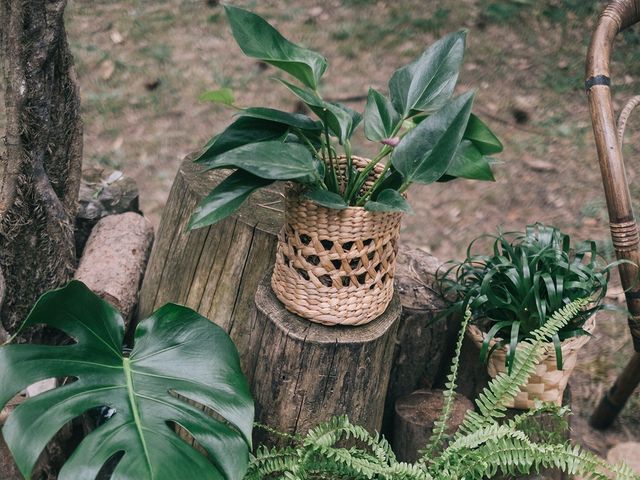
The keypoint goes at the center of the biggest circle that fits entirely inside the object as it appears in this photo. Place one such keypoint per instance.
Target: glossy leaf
(326, 199)
(426, 152)
(338, 119)
(258, 39)
(271, 160)
(295, 120)
(243, 131)
(388, 201)
(428, 82)
(223, 96)
(482, 137)
(469, 163)
(380, 117)
(176, 352)
(226, 198)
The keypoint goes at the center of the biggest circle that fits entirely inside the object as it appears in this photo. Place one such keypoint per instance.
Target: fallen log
(115, 258)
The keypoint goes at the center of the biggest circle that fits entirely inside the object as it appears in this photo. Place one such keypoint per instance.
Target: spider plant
(423, 133)
(514, 289)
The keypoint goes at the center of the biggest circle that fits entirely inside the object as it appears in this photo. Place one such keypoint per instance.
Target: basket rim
(294, 189)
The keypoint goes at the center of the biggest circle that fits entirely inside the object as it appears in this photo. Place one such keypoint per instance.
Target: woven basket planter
(336, 267)
(547, 383)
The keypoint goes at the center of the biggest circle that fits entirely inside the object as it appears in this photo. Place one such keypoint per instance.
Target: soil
(143, 65)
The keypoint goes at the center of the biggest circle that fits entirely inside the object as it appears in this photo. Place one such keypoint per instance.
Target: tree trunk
(41, 163)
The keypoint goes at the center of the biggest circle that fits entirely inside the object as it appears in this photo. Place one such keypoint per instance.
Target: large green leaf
(260, 40)
(482, 136)
(339, 119)
(225, 198)
(427, 83)
(326, 199)
(380, 117)
(295, 120)
(426, 152)
(469, 163)
(176, 352)
(389, 200)
(271, 160)
(243, 131)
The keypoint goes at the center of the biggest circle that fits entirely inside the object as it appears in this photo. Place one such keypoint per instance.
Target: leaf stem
(364, 173)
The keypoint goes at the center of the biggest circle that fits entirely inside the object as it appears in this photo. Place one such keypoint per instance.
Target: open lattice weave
(548, 383)
(336, 267)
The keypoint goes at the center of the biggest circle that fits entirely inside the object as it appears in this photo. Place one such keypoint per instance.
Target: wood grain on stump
(416, 414)
(304, 373)
(214, 270)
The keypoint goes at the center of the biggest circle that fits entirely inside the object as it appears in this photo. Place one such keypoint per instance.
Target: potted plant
(336, 255)
(514, 290)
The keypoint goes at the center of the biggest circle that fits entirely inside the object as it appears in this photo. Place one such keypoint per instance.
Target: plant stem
(304, 138)
(332, 169)
(362, 200)
(364, 173)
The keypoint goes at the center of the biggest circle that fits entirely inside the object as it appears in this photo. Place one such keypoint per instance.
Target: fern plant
(485, 444)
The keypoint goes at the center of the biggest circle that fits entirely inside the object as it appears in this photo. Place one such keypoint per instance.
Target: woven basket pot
(336, 267)
(547, 384)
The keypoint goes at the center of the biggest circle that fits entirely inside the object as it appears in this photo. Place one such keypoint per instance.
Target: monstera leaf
(177, 354)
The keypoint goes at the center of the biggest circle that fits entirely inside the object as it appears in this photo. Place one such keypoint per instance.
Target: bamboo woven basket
(547, 384)
(336, 267)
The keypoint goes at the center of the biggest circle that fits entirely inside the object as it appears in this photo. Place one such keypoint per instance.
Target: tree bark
(41, 163)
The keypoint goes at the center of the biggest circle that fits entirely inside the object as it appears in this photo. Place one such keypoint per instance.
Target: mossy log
(303, 373)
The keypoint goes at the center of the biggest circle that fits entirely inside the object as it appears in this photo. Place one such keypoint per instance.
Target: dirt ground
(142, 66)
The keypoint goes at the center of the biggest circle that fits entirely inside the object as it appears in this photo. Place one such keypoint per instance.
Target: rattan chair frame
(617, 16)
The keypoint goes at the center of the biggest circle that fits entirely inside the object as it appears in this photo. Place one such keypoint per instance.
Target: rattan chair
(618, 15)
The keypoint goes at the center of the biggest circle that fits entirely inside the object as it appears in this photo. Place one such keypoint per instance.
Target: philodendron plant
(178, 358)
(425, 133)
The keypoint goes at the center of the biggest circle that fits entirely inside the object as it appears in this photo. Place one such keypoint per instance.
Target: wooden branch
(115, 258)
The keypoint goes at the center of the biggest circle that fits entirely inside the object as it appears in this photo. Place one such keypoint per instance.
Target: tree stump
(303, 373)
(415, 416)
(214, 270)
(423, 340)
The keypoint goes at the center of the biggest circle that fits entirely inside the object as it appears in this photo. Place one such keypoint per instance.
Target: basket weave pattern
(547, 383)
(336, 267)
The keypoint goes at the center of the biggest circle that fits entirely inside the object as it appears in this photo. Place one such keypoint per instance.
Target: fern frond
(503, 388)
(268, 462)
(439, 435)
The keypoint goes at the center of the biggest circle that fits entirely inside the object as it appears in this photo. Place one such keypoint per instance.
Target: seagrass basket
(547, 384)
(336, 267)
